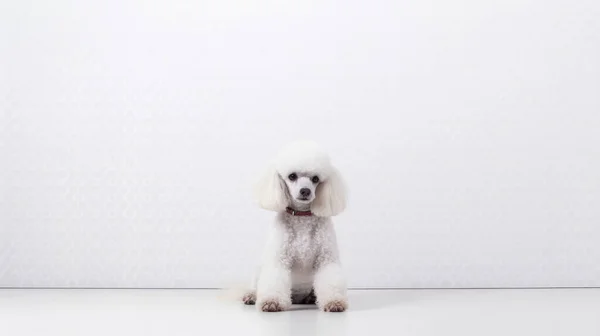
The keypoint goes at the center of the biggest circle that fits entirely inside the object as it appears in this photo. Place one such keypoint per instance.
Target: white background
(131, 133)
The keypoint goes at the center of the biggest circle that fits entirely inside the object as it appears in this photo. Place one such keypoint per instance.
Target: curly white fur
(301, 258)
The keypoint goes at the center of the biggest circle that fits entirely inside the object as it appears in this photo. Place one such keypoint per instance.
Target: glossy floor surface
(383, 312)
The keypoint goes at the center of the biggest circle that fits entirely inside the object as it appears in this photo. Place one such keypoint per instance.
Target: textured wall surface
(131, 132)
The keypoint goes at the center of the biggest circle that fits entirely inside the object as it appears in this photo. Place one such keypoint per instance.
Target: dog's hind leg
(249, 297)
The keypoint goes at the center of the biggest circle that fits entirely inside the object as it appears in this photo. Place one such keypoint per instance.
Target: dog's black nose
(305, 192)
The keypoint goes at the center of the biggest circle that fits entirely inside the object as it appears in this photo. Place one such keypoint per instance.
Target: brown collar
(298, 213)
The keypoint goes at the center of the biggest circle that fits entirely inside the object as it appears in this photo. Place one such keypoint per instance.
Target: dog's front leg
(274, 288)
(330, 288)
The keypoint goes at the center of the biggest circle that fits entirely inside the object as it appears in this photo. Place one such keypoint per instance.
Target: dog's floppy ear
(330, 197)
(270, 191)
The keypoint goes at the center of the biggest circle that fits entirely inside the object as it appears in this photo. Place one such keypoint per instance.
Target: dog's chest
(303, 240)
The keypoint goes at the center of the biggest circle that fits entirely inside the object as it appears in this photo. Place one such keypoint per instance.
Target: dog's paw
(249, 298)
(335, 306)
(271, 306)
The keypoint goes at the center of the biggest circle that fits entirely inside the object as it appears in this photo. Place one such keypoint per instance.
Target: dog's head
(302, 173)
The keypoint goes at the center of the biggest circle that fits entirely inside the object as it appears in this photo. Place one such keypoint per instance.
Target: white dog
(301, 263)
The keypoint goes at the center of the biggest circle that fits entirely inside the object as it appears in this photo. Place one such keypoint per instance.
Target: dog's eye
(315, 179)
(293, 177)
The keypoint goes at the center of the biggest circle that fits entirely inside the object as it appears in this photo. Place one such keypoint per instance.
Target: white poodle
(301, 263)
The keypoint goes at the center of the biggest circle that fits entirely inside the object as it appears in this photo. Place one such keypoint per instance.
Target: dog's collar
(298, 213)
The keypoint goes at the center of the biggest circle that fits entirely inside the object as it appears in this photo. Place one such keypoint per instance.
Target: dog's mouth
(303, 199)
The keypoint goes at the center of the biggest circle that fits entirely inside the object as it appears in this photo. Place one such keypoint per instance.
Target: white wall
(131, 131)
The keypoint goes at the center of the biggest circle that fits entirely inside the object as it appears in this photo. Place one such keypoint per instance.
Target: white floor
(387, 312)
